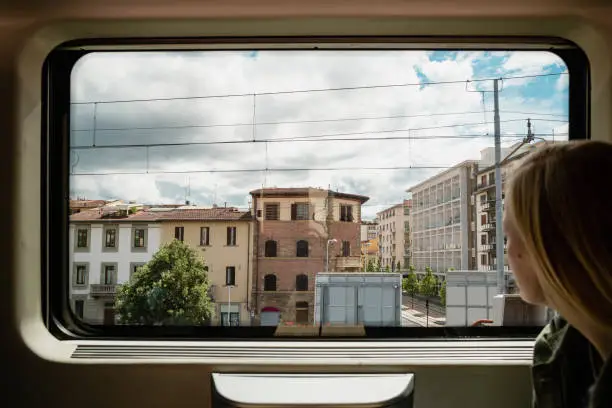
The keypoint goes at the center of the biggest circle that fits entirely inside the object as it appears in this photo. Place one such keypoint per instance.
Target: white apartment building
(485, 202)
(107, 245)
(369, 230)
(442, 232)
(393, 236)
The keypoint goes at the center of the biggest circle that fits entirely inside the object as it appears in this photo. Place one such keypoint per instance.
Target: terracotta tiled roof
(201, 214)
(205, 214)
(86, 203)
(304, 192)
(102, 214)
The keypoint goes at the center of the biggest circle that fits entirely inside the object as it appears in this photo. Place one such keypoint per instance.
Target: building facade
(297, 233)
(484, 194)
(442, 235)
(393, 236)
(224, 237)
(369, 230)
(106, 246)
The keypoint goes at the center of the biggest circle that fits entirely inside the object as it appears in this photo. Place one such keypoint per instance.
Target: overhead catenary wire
(304, 139)
(306, 121)
(297, 91)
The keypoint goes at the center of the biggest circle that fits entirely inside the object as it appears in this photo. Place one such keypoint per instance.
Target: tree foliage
(399, 266)
(428, 285)
(442, 293)
(171, 289)
(410, 284)
(371, 265)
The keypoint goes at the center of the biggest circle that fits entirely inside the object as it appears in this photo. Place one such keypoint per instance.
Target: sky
(124, 105)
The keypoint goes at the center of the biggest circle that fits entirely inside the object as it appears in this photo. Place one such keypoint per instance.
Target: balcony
(487, 206)
(98, 290)
(487, 247)
(345, 262)
(489, 227)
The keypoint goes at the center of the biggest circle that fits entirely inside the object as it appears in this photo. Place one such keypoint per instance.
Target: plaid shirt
(567, 371)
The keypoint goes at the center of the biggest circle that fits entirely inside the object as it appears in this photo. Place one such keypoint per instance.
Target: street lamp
(329, 241)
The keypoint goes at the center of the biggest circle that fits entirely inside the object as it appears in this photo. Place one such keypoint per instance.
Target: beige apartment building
(394, 236)
(441, 229)
(224, 236)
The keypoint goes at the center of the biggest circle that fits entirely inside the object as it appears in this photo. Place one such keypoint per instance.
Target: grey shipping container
(371, 299)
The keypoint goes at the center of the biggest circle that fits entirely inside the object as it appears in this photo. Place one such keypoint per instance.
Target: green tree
(387, 268)
(410, 284)
(399, 266)
(371, 265)
(172, 288)
(427, 286)
(442, 293)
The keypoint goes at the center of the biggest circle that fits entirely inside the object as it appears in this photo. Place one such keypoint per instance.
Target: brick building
(293, 229)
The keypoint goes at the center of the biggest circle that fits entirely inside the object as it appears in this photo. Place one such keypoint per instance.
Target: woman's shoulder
(550, 340)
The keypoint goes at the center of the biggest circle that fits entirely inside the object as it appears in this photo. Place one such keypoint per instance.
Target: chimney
(214, 205)
(225, 204)
(186, 202)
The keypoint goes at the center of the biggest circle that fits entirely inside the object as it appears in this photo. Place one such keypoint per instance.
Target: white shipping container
(352, 298)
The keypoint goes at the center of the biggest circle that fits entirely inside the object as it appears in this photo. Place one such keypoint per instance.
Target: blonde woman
(558, 222)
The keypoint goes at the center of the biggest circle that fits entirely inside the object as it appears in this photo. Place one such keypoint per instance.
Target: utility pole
(499, 235)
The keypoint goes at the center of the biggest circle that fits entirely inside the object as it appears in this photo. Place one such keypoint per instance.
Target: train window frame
(59, 317)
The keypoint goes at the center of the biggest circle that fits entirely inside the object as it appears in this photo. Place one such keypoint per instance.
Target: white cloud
(123, 76)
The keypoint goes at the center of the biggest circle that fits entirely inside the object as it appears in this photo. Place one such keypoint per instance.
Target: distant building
(107, 244)
(294, 229)
(224, 235)
(369, 230)
(485, 202)
(393, 236)
(441, 233)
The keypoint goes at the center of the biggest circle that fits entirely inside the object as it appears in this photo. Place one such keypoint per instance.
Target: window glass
(303, 170)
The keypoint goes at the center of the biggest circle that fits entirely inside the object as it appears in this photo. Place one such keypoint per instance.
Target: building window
(134, 266)
(301, 283)
(140, 238)
(346, 248)
(483, 259)
(110, 238)
(483, 239)
(301, 249)
(79, 305)
(346, 213)
(230, 276)
(301, 312)
(231, 236)
(230, 316)
(80, 274)
(109, 274)
(204, 236)
(300, 211)
(179, 233)
(82, 238)
(270, 249)
(270, 283)
(483, 219)
(272, 211)
(81, 270)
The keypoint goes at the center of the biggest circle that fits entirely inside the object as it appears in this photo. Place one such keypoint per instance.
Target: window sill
(305, 353)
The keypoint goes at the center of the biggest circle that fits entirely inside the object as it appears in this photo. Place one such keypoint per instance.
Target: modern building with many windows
(107, 245)
(441, 229)
(297, 233)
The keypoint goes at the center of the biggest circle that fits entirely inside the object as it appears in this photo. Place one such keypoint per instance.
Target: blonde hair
(560, 200)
